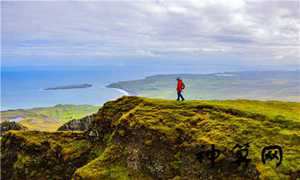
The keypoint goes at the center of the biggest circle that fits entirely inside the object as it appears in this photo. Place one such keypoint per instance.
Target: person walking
(180, 87)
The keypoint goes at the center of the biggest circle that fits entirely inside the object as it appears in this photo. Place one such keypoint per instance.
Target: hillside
(141, 138)
(259, 85)
(47, 118)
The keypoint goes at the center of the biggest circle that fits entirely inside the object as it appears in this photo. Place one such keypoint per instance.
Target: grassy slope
(278, 85)
(166, 133)
(49, 118)
(45, 155)
(281, 125)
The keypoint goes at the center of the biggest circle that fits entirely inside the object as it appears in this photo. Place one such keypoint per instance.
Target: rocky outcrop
(7, 125)
(43, 155)
(78, 124)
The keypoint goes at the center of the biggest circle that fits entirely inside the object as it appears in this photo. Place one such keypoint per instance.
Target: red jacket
(180, 85)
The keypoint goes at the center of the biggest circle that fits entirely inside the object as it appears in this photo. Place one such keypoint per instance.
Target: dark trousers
(179, 95)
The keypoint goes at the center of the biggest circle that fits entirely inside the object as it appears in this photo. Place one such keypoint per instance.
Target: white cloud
(266, 30)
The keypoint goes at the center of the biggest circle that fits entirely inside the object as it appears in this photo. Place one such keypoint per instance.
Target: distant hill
(260, 85)
(141, 138)
(47, 118)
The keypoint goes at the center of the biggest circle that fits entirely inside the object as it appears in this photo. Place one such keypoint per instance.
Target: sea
(24, 87)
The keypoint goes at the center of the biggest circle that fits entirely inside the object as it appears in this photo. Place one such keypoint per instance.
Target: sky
(97, 32)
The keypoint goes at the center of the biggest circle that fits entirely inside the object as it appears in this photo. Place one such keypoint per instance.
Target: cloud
(266, 30)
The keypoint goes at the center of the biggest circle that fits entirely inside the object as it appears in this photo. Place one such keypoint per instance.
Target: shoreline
(5, 109)
(124, 92)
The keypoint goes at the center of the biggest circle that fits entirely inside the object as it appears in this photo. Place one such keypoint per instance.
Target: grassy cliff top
(223, 123)
(142, 138)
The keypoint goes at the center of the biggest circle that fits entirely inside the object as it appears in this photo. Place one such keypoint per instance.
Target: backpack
(183, 85)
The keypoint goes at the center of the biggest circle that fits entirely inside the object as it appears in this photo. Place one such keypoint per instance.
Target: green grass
(143, 138)
(224, 123)
(48, 118)
(40, 155)
(65, 113)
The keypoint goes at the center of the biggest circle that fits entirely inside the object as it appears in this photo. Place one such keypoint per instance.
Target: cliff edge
(141, 138)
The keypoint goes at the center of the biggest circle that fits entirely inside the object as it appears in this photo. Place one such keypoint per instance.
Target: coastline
(124, 92)
(5, 109)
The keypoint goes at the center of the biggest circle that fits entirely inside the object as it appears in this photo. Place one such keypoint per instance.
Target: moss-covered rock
(140, 138)
(43, 155)
(78, 124)
(10, 125)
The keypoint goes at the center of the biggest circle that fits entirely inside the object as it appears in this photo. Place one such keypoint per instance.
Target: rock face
(6, 126)
(139, 138)
(78, 124)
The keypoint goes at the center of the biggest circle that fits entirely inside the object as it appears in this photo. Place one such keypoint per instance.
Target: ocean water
(23, 87)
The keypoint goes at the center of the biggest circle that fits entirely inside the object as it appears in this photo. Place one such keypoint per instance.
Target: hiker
(180, 87)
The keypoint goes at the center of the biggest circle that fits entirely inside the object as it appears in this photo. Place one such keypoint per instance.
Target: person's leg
(182, 98)
(178, 95)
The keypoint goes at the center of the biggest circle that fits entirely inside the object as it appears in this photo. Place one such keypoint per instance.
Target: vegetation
(42, 155)
(142, 138)
(270, 85)
(6, 126)
(48, 118)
